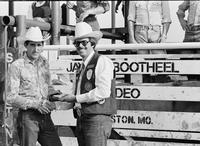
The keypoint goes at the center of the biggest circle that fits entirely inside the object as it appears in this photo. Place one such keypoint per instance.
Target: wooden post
(11, 29)
(55, 39)
(2, 76)
(55, 23)
(20, 31)
(113, 19)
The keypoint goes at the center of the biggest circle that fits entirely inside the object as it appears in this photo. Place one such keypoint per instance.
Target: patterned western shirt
(28, 82)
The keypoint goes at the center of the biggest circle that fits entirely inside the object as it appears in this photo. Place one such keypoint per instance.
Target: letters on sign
(127, 92)
(129, 119)
(145, 67)
(10, 57)
(73, 66)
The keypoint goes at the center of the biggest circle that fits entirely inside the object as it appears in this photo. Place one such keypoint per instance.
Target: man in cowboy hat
(29, 81)
(93, 90)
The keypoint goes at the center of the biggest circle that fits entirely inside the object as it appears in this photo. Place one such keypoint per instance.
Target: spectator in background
(29, 88)
(87, 10)
(40, 11)
(124, 9)
(148, 22)
(123, 6)
(191, 26)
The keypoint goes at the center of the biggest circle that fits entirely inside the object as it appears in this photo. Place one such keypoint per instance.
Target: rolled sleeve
(132, 11)
(166, 18)
(81, 98)
(104, 76)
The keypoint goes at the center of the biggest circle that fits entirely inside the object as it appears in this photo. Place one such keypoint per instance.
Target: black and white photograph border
(157, 93)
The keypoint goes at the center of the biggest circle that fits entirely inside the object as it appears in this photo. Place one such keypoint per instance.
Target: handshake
(57, 95)
(53, 98)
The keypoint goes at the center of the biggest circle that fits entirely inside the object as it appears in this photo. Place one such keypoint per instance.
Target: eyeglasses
(83, 43)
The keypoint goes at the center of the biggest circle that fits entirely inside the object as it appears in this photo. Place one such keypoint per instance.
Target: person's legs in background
(154, 34)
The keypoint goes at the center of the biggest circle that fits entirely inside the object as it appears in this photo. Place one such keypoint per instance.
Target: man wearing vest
(93, 90)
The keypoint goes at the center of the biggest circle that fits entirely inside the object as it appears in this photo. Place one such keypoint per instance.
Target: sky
(175, 33)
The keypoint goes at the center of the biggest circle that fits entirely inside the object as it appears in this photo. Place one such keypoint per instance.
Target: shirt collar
(27, 60)
(88, 58)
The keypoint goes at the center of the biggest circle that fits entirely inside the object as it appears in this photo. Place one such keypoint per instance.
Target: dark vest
(88, 83)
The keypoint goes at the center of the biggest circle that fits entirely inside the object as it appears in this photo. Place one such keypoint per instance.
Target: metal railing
(118, 47)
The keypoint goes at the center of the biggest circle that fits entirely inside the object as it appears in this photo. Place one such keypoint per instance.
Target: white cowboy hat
(35, 34)
(84, 30)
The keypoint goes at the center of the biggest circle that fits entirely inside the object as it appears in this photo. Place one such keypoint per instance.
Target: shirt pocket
(27, 78)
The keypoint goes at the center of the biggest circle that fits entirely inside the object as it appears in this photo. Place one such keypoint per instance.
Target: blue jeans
(33, 126)
(145, 34)
(193, 35)
(93, 130)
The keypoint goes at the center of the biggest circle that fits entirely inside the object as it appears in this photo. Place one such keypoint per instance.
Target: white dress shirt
(103, 77)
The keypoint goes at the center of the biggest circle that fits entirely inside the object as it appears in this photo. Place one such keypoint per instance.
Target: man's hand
(65, 97)
(46, 107)
(50, 105)
(184, 25)
(52, 93)
(43, 110)
(116, 9)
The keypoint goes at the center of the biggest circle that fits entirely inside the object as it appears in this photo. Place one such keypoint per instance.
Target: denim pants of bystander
(93, 130)
(33, 126)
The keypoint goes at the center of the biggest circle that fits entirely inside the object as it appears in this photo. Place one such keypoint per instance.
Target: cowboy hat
(84, 30)
(35, 34)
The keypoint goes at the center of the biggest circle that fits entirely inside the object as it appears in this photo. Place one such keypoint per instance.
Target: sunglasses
(78, 43)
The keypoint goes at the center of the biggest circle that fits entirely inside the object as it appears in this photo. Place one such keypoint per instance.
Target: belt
(142, 27)
(154, 26)
(33, 111)
(147, 27)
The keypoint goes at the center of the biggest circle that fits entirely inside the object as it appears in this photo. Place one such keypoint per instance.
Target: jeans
(93, 130)
(151, 34)
(193, 35)
(33, 126)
